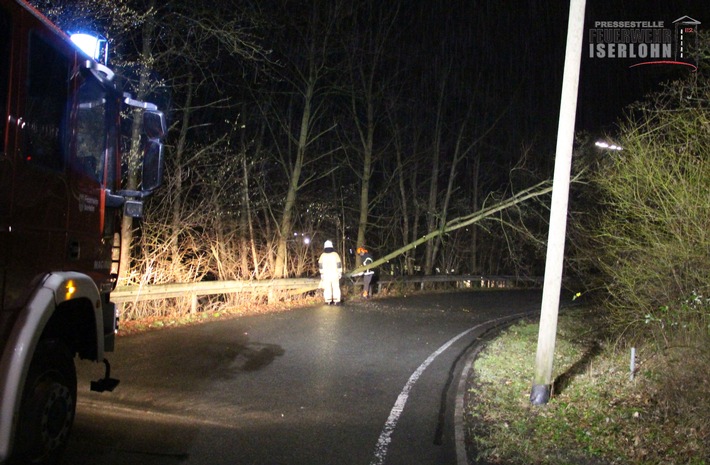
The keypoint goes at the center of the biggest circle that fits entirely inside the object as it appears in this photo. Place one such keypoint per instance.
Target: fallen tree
(540, 189)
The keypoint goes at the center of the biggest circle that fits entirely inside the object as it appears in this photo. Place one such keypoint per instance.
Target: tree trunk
(404, 195)
(366, 173)
(286, 223)
(177, 194)
(135, 154)
(475, 204)
(433, 201)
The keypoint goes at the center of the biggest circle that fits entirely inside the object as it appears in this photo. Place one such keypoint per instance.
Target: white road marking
(384, 441)
(385, 437)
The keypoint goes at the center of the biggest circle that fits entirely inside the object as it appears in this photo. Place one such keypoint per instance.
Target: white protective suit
(331, 270)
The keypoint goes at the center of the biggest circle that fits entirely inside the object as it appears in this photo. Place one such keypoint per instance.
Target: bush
(652, 236)
(645, 245)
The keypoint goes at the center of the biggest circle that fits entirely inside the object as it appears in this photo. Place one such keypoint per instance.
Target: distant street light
(608, 146)
(306, 239)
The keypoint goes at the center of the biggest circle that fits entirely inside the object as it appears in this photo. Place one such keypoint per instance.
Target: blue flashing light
(96, 46)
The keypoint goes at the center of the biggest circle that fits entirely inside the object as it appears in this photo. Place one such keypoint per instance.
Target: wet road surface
(369, 383)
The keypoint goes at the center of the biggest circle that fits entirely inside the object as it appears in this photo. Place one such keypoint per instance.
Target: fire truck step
(106, 383)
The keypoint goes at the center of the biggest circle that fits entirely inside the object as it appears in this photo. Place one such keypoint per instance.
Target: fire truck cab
(61, 204)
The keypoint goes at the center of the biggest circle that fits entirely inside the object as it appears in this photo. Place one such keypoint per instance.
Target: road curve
(371, 382)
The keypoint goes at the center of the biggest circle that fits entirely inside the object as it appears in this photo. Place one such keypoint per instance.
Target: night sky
(608, 84)
(524, 46)
(519, 50)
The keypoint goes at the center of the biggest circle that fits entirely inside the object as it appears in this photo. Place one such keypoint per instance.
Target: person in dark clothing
(368, 273)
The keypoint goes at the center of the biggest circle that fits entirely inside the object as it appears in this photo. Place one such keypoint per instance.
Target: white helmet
(328, 245)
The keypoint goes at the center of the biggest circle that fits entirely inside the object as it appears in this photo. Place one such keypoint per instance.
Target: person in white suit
(331, 270)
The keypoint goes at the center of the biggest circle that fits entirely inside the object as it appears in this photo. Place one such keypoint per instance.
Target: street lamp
(306, 238)
(605, 145)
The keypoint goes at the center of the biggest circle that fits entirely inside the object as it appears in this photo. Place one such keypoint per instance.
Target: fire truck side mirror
(152, 166)
(154, 124)
(154, 130)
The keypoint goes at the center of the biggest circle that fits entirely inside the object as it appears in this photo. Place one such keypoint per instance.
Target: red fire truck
(61, 207)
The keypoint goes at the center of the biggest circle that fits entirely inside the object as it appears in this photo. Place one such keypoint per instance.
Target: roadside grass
(599, 414)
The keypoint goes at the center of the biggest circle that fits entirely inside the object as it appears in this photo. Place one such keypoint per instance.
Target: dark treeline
(367, 123)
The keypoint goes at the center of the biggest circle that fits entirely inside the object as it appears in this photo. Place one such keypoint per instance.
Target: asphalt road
(368, 383)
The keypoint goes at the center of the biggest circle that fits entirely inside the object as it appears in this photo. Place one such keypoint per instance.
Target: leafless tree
(299, 121)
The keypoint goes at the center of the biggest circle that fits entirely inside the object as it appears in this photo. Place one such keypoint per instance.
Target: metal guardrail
(465, 281)
(128, 294)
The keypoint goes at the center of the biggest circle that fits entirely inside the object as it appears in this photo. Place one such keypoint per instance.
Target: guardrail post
(193, 304)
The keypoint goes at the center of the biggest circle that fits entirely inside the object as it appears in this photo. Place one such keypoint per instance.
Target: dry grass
(169, 313)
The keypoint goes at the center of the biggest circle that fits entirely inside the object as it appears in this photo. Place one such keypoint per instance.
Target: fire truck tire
(48, 405)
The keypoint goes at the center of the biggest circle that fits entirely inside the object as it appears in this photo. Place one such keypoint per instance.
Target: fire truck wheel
(48, 405)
